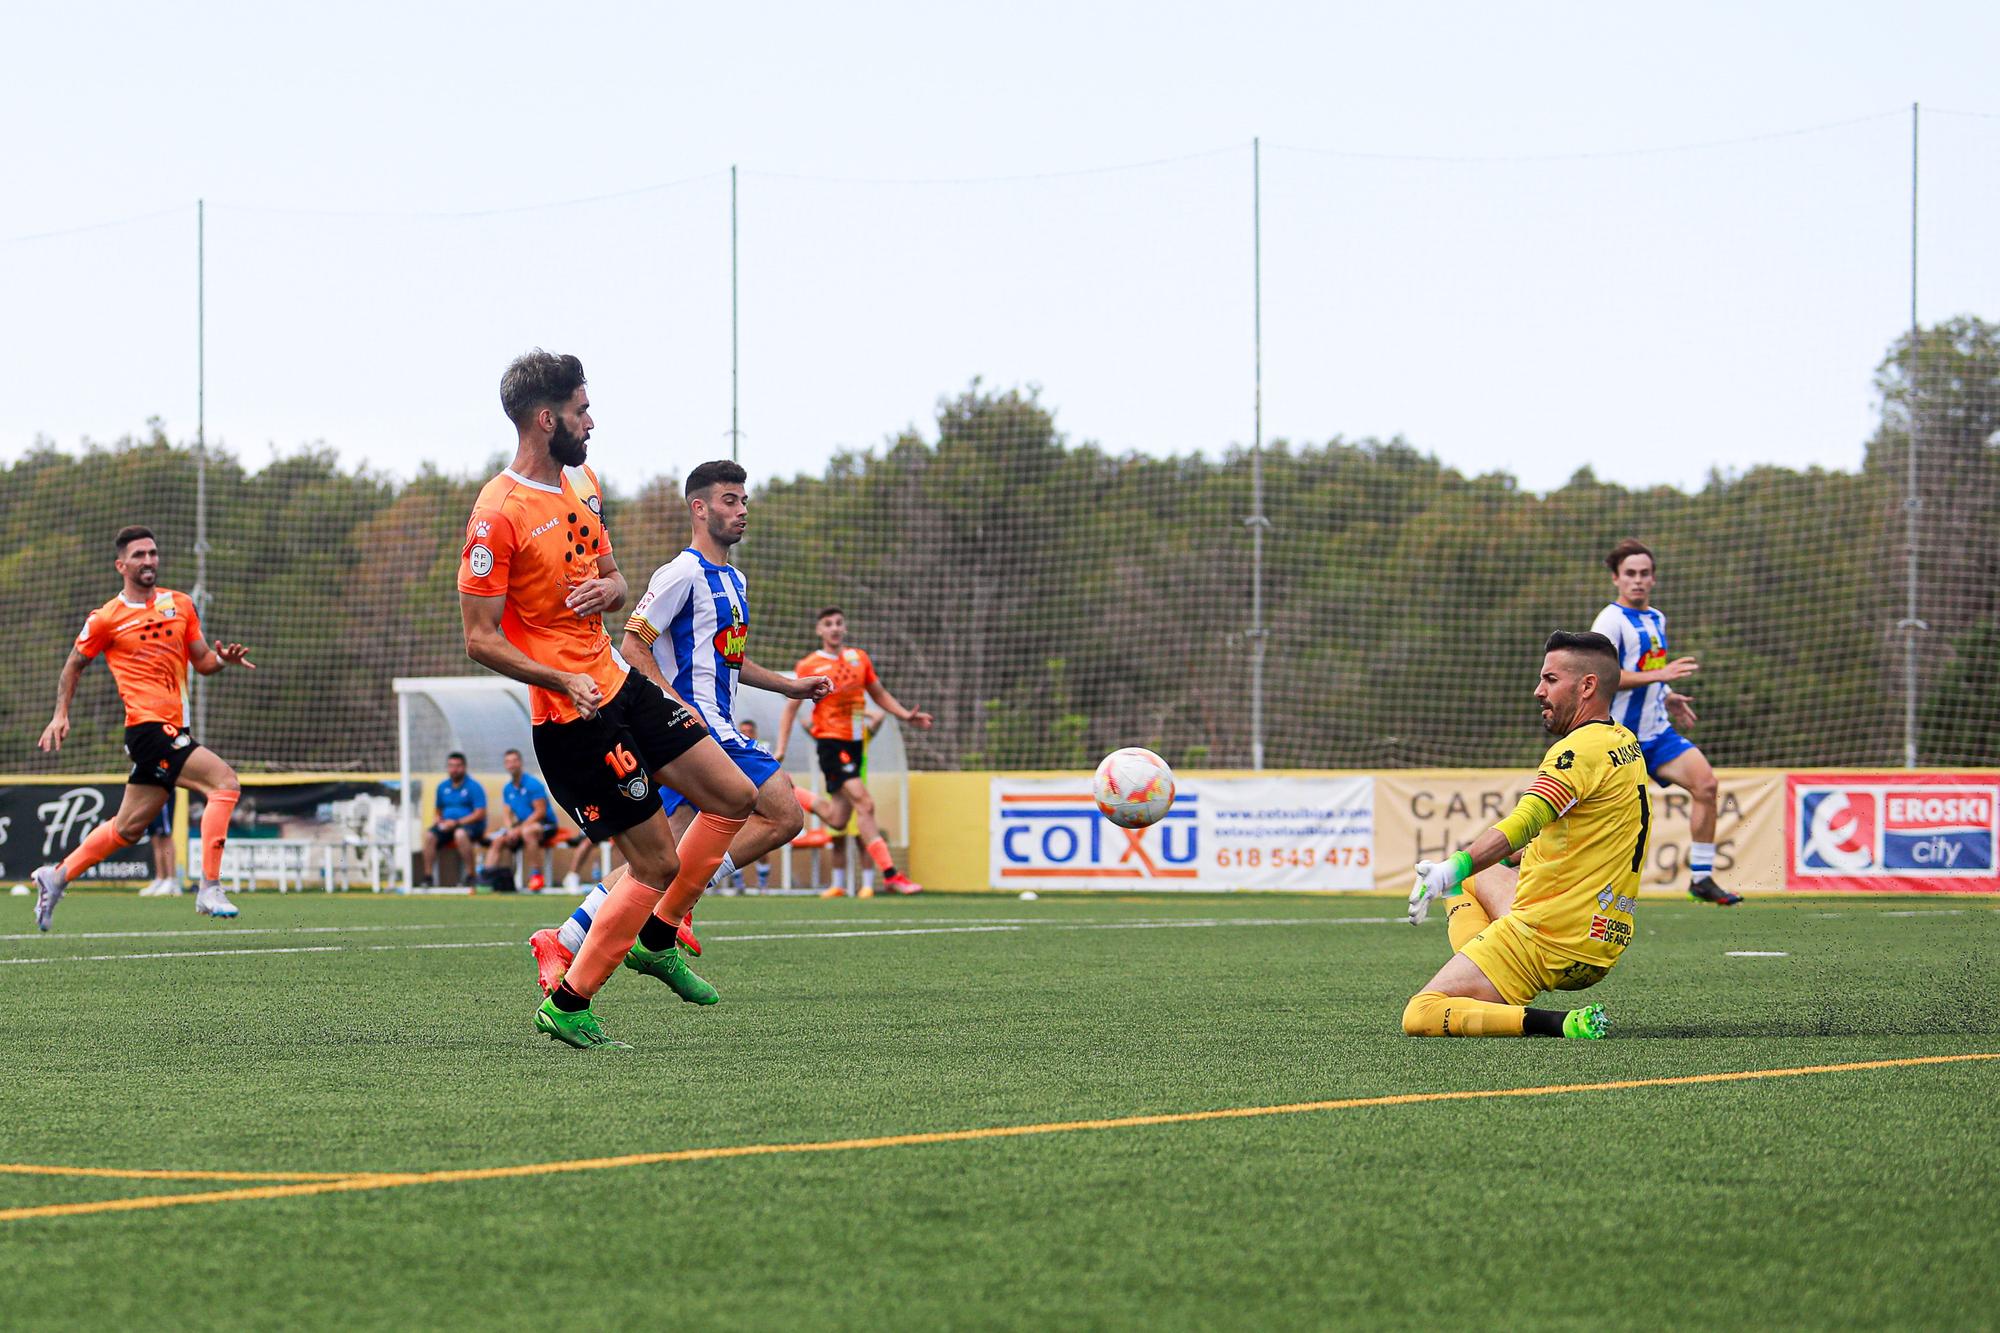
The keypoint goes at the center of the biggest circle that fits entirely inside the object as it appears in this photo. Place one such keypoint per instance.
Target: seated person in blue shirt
(461, 818)
(528, 828)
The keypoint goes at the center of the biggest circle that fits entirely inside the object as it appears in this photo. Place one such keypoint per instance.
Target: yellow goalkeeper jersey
(1580, 876)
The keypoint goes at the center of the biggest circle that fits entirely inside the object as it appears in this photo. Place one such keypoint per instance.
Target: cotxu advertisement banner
(40, 823)
(1930, 832)
(1223, 833)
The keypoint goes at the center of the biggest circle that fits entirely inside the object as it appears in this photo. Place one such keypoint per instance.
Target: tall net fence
(1049, 593)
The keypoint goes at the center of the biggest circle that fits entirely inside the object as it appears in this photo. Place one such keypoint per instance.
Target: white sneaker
(571, 882)
(154, 890)
(49, 886)
(210, 900)
(171, 888)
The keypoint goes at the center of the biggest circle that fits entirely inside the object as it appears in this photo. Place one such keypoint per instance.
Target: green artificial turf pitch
(360, 1034)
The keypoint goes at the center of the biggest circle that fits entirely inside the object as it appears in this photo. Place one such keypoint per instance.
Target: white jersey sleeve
(1616, 628)
(666, 596)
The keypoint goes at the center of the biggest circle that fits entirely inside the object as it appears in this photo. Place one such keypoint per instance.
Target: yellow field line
(120, 1173)
(396, 1180)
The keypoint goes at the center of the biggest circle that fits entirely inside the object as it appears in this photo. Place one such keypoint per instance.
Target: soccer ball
(1134, 787)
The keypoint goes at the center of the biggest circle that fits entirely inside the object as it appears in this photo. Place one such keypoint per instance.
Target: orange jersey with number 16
(532, 544)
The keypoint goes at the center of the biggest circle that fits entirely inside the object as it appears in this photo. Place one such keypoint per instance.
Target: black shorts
(158, 753)
(839, 761)
(600, 769)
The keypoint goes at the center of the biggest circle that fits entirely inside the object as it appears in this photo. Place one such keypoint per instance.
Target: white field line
(1204, 924)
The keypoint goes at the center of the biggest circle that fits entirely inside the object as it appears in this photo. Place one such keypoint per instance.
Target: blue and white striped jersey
(696, 618)
(1641, 640)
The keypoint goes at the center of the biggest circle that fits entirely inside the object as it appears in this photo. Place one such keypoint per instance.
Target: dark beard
(567, 448)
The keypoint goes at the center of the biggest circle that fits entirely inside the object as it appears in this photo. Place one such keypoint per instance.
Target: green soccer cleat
(668, 965)
(1589, 1023)
(578, 1029)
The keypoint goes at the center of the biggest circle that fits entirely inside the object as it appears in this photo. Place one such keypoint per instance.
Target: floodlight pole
(201, 447)
(1257, 522)
(1913, 502)
(734, 427)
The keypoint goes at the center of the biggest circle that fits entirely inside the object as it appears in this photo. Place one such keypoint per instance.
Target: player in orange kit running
(535, 579)
(837, 729)
(149, 637)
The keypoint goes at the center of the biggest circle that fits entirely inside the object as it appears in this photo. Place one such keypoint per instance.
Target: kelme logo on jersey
(1895, 828)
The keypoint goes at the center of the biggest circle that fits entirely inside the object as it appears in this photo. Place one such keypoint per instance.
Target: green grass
(1856, 1197)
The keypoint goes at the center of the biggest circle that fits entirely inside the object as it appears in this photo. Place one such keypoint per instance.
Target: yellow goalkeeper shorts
(1521, 967)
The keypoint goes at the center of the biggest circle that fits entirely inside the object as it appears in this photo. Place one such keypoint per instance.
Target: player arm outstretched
(914, 716)
(209, 660)
(799, 689)
(57, 731)
(486, 645)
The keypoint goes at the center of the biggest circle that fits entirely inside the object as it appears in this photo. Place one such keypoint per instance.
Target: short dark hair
(717, 473)
(535, 379)
(1625, 550)
(455, 754)
(129, 534)
(1588, 643)
(509, 750)
(824, 612)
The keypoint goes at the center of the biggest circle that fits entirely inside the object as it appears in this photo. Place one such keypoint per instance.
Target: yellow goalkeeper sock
(1434, 1014)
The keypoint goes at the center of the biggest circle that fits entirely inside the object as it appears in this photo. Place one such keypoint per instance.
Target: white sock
(867, 879)
(840, 877)
(723, 871)
(577, 924)
(1701, 859)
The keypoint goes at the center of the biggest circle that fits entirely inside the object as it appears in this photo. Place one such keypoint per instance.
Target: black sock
(656, 934)
(566, 999)
(889, 871)
(1543, 1022)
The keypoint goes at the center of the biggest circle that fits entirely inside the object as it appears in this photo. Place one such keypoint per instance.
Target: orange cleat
(551, 959)
(812, 837)
(901, 883)
(835, 892)
(865, 891)
(685, 934)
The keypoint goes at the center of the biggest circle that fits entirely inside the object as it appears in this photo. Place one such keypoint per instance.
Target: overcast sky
(1467, 239)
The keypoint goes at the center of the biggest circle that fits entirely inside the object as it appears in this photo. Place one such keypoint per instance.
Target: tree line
(1049, 600)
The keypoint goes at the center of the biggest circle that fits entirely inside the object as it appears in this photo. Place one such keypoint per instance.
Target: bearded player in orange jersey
(536, 578)
(837, 729)
(149, 637)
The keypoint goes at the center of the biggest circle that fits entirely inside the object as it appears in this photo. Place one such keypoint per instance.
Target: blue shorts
(1664, 748)
(757, 765)
(163, 823)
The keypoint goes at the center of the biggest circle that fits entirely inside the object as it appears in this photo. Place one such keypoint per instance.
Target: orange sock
(99, 843)
(878, 852)
(627, 903)
(215, 831)
(701, 849)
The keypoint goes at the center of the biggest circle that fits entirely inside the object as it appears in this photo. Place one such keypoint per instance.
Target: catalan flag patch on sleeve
(1552, 790)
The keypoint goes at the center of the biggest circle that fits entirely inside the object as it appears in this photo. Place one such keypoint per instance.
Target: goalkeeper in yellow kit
(1580, 833)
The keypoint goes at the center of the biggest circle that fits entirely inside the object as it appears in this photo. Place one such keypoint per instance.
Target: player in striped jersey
(1581, 835)
(1648, 707)
(690, 635)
